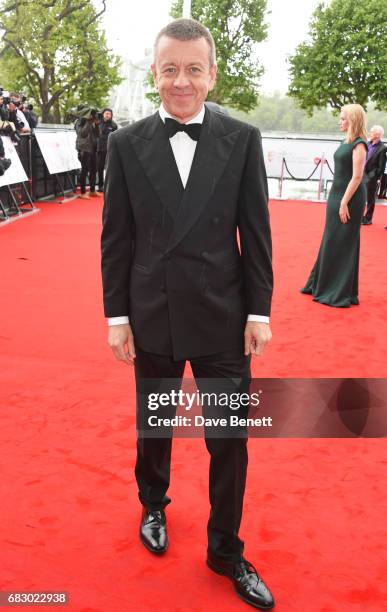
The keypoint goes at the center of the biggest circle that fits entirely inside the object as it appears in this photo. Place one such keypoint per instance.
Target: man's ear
(154, 72)
(213, 73)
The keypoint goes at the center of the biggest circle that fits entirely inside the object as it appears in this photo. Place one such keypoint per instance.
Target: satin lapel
(211, 156)
(154, 152)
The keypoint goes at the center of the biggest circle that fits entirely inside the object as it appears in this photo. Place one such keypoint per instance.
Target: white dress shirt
(20, 116)
(183, 148)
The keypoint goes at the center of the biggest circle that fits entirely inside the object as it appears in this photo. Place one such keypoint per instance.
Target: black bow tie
(192, 129)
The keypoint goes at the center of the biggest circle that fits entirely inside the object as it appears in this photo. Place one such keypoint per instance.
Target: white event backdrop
(58, 150)
(16, 172)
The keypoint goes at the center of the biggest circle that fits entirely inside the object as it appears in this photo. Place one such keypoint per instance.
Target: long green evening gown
(335, 275)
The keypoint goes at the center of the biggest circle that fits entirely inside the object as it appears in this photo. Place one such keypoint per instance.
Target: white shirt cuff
(258, 318)
(118, 321)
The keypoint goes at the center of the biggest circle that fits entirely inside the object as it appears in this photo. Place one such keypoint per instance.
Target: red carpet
(315, 510)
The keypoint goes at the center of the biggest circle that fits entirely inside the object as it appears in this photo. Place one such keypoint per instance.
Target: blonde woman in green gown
(335, 274)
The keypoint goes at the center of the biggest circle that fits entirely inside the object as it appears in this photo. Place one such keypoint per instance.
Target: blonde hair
(357, 119)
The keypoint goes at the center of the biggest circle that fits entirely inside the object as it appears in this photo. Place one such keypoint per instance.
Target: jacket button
(215, 220)
(204, 253)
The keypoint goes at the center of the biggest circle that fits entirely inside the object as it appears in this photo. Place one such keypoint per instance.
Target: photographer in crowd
(106, 126)
(87, 129)
(7, 127)
(16, 115)
(4, 114)
(28, 111)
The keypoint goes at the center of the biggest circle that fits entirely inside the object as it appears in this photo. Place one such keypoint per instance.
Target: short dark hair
(188, 29)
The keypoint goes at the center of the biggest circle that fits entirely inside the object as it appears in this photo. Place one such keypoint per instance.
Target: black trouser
(371, 197)
(89, 167)
(228, 463)
(101, 157)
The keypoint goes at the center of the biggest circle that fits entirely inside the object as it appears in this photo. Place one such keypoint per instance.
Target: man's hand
(120, 337)
(257, 335)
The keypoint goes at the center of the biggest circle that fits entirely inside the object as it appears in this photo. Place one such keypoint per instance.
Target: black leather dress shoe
(365, 221)
(248, 585)
(153, 531)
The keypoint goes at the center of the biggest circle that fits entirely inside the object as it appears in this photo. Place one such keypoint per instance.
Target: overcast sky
(131, 26)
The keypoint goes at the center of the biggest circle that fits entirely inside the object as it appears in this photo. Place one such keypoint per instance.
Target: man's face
(107, 116)
(183, 75)
(375, 135)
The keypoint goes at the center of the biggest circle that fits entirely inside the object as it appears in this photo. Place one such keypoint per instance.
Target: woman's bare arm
(358, 161)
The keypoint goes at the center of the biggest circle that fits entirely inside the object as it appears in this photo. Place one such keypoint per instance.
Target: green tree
(345, 59)
(282, 114)
(237, 26)
(54, 52)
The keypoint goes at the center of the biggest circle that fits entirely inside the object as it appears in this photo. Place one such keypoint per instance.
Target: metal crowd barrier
(41, 184)
(322, 183)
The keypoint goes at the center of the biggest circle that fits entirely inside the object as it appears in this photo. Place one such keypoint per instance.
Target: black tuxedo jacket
(170, 256)
(374, 167)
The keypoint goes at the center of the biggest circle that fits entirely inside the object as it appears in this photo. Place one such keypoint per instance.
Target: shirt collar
(197, 119)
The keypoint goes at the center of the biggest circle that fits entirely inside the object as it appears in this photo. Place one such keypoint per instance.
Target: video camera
(83, 111)
(5, 95)
(14, 98)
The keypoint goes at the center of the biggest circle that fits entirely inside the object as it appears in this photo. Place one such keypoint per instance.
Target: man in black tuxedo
(374, 169)
(179, 184)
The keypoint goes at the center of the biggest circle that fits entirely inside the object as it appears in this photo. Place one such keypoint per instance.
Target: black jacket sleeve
(2, 152)
(382, 162)
(117, 236)
(4, 113)
(254, 230)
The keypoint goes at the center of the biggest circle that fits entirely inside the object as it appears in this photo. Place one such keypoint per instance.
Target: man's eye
(195, 69)
(169, 70)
